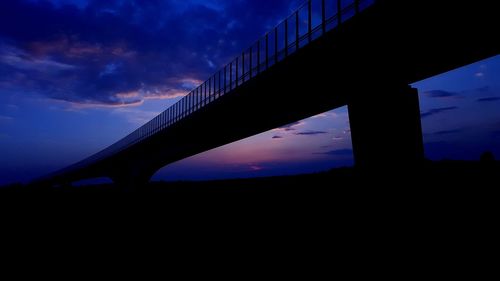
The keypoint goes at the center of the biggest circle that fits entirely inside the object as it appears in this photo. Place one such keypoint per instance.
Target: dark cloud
(489, 99)
(290, 127)
(311, 133)
(338, 152)
(441, 94)
(277, 137)
(483, 89)
(96, 52)
(447, 132)
(435, 111)
(5, 118)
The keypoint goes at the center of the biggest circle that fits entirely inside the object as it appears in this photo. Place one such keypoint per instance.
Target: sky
(78, 75)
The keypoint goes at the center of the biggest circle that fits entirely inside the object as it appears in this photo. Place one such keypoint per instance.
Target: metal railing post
(243, 67)
(251, 63)
(205, 95)
(220, 88)
(183, 107)
(356, 6)
(175, 113)
(258, 56)
(214, 90)
(197, 98)
(236, 72)
(276, 45)
(225, 79)
(230, 76)
(267, 50)
(210, 89)
(200, 96)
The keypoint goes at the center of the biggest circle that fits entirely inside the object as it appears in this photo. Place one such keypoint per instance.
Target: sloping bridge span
(364, 57)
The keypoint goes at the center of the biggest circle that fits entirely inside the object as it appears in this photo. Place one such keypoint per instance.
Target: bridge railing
(310, 21)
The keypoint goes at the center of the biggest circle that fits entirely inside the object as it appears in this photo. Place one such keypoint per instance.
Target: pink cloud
(256, 168)
(166, 94)
(95, 105)
(21, 60)
(128, 95)
(72, 48)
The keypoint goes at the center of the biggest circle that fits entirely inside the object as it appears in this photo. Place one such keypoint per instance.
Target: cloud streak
(447, 132)
(5, 118)
(488, 99)
(338, 152)
(311, 133)
(436, 111)
(441, 94)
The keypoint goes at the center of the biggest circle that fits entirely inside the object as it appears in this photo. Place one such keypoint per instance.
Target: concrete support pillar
(133, 179)
(386, 128)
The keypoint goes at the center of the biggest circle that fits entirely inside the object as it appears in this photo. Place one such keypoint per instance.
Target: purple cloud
(483, 89)
(338, 152)
(489, 99)
(440, 94)
(311, 133)
(447, 132)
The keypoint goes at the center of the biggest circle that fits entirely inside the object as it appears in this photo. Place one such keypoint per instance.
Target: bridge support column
(133, 179)
(386, 128)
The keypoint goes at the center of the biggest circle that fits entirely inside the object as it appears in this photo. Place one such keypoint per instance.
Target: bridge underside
(366, 64)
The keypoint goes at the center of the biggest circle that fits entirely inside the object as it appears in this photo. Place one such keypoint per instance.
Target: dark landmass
(437, 176)
(443, 212)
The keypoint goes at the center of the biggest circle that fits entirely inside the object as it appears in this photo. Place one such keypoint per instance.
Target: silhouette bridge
(328, 54)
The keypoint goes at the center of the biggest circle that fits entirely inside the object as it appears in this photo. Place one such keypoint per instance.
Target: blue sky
(76, 76)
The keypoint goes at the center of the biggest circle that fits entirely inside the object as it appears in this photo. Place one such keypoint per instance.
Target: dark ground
(439, 220)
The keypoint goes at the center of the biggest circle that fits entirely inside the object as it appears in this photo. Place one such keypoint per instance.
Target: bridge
(327, 54)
